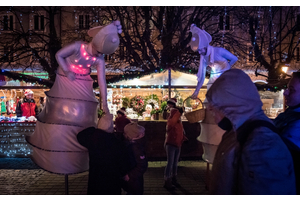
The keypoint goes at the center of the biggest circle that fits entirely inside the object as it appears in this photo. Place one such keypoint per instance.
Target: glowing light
(82, 46)
(76, 60)
(73, 66)
(84, 53)
(94, 58)
(284, 69)
(87, 58)
(80, 65)
(88, 65)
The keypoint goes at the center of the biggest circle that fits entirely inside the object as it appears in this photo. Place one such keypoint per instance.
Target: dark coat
(108, 161)
(120, 123)
(288, 124)
(138, 166)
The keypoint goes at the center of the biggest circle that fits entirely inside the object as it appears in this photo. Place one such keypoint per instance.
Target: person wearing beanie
(27, 107)
(173, 141)
(121, 121)
(133, 181)
(108, 159)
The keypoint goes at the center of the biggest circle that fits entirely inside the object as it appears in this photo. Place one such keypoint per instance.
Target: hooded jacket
(263, 165)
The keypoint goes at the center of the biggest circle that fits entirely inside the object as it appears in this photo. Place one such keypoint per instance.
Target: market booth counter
(155, 131)
(13, 143)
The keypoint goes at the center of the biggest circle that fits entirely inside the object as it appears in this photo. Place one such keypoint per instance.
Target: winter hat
(200, 38)
(27, 92)
(121, 111)
(172, 100)
(134, 131)
(106, 123)
(105, 38)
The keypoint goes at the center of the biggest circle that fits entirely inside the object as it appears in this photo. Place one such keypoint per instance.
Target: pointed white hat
(105, 38)
(200, 38)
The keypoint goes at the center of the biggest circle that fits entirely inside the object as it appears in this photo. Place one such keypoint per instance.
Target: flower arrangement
(165, 98)
(137, 103)
(156, 110)
(117, 99)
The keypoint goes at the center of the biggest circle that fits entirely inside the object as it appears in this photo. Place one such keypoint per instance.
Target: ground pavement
(20, 176)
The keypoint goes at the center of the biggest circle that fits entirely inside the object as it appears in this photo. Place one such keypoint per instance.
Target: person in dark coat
(135, 141)
(288, 123)
(108, 161)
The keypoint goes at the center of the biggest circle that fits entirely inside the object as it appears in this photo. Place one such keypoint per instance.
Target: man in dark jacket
(251, 158)
(288, 123)
(108, 158)
(27, 107)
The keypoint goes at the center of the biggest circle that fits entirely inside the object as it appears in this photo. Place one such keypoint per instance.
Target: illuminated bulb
(94, 58)
(82, 46)
(73, 66)
(88, 65)
(84, 53)
(76, 60)
(80, 65)
(87, 58)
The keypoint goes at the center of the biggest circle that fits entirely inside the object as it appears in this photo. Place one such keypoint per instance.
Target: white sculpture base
(210, 137)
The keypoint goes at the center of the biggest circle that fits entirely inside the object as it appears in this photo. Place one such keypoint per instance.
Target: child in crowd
(135, 142)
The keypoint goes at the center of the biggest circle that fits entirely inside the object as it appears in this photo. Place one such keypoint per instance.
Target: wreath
(137, 103)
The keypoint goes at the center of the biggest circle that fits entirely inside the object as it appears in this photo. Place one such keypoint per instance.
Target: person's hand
(195, 95)
(126, 177)
(70, 75)
(105, 109)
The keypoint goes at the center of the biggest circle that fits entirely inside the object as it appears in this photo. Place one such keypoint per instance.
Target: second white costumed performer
(220, 60)
(71, 105)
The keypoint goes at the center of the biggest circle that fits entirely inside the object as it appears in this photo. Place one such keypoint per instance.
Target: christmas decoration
(137, 103)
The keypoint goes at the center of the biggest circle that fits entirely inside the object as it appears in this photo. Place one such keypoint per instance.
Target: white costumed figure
(71, 105)
(220, 60)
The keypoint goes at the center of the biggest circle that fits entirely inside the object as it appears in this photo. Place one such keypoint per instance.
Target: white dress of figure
(211, 134)
(70, 107)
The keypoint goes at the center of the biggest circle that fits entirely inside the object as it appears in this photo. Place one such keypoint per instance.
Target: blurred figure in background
(288, 123)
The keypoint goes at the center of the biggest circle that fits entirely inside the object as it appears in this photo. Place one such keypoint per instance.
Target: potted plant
(155, 112)
(163, 109)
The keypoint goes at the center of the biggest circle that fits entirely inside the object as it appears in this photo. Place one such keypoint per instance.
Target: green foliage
(125, 102)
(163, 105)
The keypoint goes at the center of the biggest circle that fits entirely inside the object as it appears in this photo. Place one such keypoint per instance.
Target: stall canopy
(177, 79)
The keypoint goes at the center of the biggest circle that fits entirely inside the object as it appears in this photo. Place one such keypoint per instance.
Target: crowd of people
(256, 155)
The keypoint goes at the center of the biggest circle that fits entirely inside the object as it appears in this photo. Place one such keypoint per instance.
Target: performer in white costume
(71, 105)
(220, 60)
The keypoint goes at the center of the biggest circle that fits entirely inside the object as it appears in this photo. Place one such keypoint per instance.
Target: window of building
(224, 22)
(298, 22)
(8, 54)
(39, 22)
(84, 21)
(8, 22)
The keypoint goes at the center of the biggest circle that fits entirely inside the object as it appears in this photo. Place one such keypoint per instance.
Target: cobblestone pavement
(20, 176)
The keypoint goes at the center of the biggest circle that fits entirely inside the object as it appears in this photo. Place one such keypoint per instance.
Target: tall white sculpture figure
(220, 60)
(71, 105)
